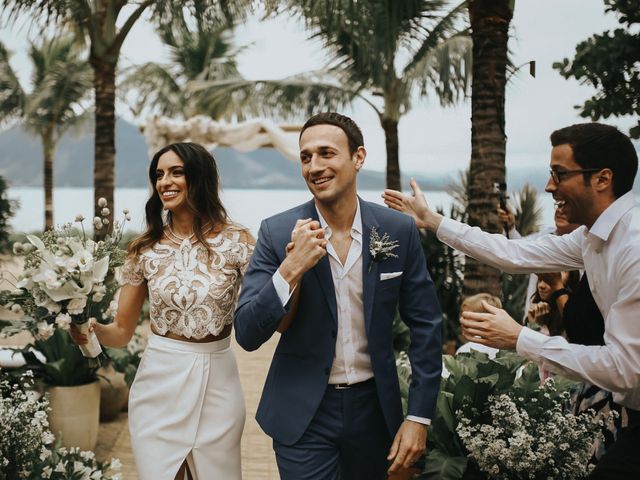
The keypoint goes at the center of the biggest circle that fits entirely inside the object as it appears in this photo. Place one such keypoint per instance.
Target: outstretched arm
(414, 205)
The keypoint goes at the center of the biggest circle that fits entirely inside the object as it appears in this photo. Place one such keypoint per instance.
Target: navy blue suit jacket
(302, 361)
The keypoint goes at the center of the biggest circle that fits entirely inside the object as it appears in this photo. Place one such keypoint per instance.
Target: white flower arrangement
(530, 438)
(66, 276)
(27, 450)
(381, 248)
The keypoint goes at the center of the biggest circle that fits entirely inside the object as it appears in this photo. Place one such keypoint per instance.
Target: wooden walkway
(258, 461)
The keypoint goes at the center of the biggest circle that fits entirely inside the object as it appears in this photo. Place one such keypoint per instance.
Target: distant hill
(21, 165)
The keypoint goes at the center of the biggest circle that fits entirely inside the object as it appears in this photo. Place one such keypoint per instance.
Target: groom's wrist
(290, 274)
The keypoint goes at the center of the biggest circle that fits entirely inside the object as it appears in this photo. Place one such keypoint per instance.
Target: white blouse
(191, 294)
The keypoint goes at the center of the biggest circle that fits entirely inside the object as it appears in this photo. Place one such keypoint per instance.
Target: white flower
(63, 320)
(60, 467)
(97, 475)
(115, 464)
(102, 202)
(84, 259)
(79, 218)
(105, 211)
(105, 221)
(99, 291)
(381, 248)
(125, 211)
(17, 309)
(18, 248)
(46, 472)
(87, 455)
(47, 438)
(127, 217)
(76, 306)
(44, 330)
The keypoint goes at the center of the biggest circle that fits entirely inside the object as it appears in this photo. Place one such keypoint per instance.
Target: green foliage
(64, 366)
(7, 210)
(473, 378)
(609, 62)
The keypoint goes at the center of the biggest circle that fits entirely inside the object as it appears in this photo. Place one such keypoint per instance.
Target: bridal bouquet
(67, 277)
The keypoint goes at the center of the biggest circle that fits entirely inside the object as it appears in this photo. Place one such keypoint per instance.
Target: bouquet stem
(92, 349)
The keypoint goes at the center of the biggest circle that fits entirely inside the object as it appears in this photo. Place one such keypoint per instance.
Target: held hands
(494, 328)
(410, 442)
(305, 250)
(416, 206)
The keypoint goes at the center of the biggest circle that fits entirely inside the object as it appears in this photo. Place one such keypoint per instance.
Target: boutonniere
(381, 248)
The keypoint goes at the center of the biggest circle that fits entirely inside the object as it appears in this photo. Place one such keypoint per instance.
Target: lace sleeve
(132, 272)
(248, 243)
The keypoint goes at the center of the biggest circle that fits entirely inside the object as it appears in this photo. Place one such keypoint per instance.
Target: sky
(432, 138)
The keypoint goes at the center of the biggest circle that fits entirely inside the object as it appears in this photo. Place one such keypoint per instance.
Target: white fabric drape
(244, 137)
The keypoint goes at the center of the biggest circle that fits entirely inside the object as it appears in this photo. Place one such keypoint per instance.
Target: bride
(186, 407)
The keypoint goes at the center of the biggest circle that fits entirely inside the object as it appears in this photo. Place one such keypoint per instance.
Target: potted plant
(67, 278)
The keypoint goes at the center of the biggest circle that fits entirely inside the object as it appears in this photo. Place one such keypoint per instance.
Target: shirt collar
(356, 227)
(611, 216)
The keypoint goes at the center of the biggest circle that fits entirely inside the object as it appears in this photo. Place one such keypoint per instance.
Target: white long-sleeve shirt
(610, 254)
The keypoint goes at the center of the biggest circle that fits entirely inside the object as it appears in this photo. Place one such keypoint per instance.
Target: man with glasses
(593, 167)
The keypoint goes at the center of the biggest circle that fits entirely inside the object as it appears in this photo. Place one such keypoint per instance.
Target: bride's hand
(79, 338)
(415, 205)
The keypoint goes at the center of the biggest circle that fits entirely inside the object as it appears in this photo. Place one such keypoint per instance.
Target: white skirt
(186, 403)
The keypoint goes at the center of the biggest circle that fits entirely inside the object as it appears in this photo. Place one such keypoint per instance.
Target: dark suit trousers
(347, 439)
(622, 460)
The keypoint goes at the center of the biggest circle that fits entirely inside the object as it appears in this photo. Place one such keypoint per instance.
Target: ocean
(247, 207)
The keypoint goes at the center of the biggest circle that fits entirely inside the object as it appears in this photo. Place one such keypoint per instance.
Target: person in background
(473, 303)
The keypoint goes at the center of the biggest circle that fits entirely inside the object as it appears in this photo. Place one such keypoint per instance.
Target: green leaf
(440, 466)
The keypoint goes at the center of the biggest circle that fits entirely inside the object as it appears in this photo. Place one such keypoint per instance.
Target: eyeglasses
(558, 175)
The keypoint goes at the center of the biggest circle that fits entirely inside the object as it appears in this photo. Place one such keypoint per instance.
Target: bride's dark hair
(203, 196)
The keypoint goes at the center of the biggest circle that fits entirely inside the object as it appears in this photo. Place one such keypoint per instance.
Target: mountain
(21, 165)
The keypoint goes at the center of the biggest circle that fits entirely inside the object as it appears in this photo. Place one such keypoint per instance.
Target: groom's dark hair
(348, 126)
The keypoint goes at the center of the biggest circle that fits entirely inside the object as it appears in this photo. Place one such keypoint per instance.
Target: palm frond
(290, 98)
(12, 96)
(156, 89)
(446, 68)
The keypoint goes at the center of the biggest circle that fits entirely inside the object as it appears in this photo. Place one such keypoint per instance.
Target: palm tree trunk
(48, 150)
(105, 150)
(490, 33)
(390, 127)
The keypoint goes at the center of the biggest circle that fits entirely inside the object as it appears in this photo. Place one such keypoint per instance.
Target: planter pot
(75, 414)
(114, 393)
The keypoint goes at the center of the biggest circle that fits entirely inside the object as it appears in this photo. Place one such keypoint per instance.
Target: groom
(329, 275)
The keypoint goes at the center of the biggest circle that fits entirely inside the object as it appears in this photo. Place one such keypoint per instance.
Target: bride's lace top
(190, 294)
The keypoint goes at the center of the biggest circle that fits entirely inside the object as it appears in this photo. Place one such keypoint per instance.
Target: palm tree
(490, 21)
(105, 25)
(379, 48)
(60, 83)
(205, 53)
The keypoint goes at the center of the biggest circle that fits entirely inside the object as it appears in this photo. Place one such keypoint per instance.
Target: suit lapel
(369, 268)
(322, 270)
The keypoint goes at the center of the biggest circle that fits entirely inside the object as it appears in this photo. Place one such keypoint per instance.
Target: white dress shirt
(610, 254)
(352, 362)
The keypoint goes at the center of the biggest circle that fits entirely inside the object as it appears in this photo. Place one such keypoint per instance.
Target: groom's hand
(309, 246)
(409, 444)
